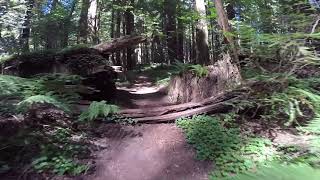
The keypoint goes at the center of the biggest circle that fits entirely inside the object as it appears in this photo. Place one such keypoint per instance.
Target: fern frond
(98, 109)
(41, 99)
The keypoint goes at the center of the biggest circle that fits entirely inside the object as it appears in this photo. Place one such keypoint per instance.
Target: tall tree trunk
(224, 24)
(180, 34)
(93, 21)
(66, 25)
(170, 28)
(25, 32)
(117, 34)
(129, 18)
(202, 54)
(193, 50)
(83, 22)
(112, 30)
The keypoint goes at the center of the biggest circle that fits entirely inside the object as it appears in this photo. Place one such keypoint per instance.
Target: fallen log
(212, 108)
(158, 111)
(119, 43)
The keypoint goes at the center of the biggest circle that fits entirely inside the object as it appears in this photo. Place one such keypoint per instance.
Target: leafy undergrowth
(274, 101)
(231, 152)
(277, 171)
(234, 152)
(52, 150)
(44, 135)
(283, 100)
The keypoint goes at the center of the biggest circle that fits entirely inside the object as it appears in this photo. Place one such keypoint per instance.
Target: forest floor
(146, 152)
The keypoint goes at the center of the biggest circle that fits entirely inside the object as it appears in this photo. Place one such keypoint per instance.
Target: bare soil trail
(146, 151)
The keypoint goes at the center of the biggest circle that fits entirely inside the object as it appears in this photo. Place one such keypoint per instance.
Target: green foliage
(198, 70)
(277, 171)
(58, 156)
(56, 89)
(53, 84)
(16, 86)
(59, 165)
(41, 99)
(231, 152)
(98, 110)
(284, 99)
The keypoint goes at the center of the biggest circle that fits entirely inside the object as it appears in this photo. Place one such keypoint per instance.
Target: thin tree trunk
(129, 18)
(93, 21)
(25, 32)
(224, 24)
(180, 34)
(66, 25)
(170, 28)
(83, 22)
(118, 33)
(112, 30)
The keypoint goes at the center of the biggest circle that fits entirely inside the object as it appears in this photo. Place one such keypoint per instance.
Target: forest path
(141, 93)
(146, 151)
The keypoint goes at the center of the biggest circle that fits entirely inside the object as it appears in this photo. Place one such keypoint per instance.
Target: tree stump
(190, 88)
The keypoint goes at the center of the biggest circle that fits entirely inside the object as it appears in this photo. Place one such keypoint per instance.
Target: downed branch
(119, 43)
(158, 111)
(170, 113)
(212, 108)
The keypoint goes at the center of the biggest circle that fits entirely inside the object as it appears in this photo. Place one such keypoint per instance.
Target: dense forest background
(101, 89)
(184, 31)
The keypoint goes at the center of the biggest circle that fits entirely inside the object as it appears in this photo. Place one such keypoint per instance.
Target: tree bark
(170, 28)
(112, 31)
(202, 53)
(180, 34)
(83, 22)
(224, 24)
(25, 32)
(93, 21)
(129, 18)
(118, 34)
(66, 25)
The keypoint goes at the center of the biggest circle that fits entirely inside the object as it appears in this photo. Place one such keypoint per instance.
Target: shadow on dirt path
(146, 152)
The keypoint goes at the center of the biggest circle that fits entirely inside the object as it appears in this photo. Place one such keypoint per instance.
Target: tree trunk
(224, 24)
(83, 22)
(93, 21)
(202, 54)
(25, 32)
(118, 34)
(180, 34)
(112, 30)
(170, 28)
(129, 18)
(66, 25)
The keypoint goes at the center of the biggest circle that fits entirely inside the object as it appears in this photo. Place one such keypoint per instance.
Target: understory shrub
(98, 110)
(285, 99)
(231, 152)
(277, 171)
(197, 69)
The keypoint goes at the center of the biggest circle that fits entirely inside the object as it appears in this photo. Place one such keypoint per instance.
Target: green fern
(180, 68)
(200, 71)
(277, 171)
(41, 99)
(197, 69)
(97, 110)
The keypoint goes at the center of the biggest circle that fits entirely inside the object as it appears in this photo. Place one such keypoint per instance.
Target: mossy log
(92, 63)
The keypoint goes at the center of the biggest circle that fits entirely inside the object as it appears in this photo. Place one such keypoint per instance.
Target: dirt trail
(146, 152)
